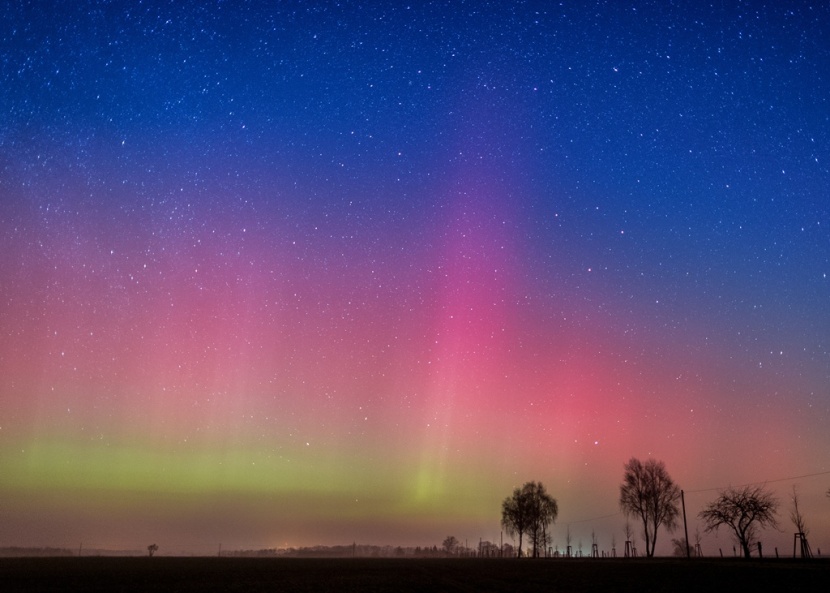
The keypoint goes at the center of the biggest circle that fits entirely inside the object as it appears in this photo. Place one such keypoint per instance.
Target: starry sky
(293, 273)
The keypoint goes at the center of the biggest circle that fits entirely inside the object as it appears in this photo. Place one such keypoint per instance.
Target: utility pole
(685, 527)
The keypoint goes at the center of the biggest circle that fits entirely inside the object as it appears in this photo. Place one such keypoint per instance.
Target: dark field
(281, 575)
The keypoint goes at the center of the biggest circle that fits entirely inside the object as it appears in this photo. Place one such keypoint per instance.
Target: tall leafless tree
(744, 510)
(649, 493)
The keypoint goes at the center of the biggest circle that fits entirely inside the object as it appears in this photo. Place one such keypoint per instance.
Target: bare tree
(679, 547)
(152, 549)
(516, 516)
(530, 510)
(744, 510)
(629, 537)
(534, 510)
(545, 510)
(450, 544)
(648, 492)
(568, 539)
(800, 525)
(795, 514)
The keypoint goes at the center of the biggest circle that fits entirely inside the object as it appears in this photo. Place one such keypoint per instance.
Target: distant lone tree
(450, 544)
(152, 548)
(530, 510)
(648, 492)
(744, 510)
(679, 547)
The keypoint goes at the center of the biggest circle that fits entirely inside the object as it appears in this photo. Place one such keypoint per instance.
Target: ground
(403, 575)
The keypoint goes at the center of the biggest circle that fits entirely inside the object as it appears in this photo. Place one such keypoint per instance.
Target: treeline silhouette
(22, 552)
(352, 551)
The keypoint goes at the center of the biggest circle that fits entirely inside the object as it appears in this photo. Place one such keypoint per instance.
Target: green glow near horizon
(340, 480)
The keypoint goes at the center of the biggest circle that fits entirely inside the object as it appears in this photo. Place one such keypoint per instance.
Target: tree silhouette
(568, 540)
(628, 531)
(744, 510)
(648, 492)
(529, 510)
(515, 516)
(795, 514)
(698, 541)
(450, 544)
(679, 547)
(152, 548)
(545, 510)
(801, 526)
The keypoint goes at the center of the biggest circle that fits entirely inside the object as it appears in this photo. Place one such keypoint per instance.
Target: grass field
(404, 575)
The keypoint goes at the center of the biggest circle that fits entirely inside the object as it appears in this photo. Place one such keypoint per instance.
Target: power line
(594, 518)
(762, 482)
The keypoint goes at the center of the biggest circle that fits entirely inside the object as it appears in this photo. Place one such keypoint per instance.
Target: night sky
(291, 273)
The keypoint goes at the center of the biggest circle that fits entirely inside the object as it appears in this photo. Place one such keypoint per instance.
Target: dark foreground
(401, 575)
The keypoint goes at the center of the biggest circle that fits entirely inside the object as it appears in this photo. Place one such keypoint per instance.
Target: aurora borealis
(287, 273)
